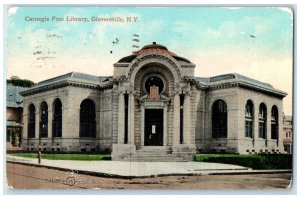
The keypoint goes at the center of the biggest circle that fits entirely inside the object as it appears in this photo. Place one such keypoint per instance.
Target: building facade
(153, 101)
(14, 117)
(287, 133)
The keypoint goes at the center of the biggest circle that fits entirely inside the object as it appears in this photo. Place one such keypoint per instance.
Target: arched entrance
(154, 105)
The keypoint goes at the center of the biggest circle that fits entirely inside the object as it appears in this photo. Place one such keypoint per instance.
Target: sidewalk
(137, 169)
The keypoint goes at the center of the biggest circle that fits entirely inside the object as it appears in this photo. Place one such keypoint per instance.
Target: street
(30, 177)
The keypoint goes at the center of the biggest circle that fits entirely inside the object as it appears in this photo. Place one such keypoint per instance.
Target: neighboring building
(14, 110)
(287, 133)
(153, 102)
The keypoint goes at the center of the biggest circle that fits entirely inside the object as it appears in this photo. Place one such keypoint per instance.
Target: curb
(105, 175)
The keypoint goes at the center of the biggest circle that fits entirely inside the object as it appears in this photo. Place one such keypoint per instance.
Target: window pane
(219, 119)
(87, 119)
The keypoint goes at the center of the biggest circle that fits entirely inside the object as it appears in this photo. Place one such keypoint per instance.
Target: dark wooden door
(153, 127)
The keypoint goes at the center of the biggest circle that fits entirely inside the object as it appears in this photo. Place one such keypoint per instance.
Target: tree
(20, 136)
(20, 82)
(13, 137)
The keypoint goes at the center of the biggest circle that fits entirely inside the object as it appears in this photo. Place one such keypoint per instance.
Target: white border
(208, 194)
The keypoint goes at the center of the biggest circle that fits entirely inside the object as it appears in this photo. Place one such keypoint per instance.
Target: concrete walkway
(134, 169)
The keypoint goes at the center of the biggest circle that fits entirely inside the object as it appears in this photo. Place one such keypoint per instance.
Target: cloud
(12, 10)
(215, 47)
(260, 65)
(183, 26)
(286, 9)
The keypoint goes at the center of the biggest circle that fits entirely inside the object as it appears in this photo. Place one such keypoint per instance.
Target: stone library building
(153, 107)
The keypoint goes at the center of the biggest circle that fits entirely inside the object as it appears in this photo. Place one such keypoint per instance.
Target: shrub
(262, 161)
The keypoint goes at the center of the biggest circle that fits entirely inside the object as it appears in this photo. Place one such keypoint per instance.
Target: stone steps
(151, 152)
(148, 159)
(154, 155)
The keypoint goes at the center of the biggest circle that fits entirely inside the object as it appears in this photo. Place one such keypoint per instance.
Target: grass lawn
(86, 157)
(257, 161)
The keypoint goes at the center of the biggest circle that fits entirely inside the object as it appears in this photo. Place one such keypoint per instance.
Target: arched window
(274, 123)
(87, 119)
(219, 119)
(154, 81)
(31, 121)
(154, 87)
(44, 120)
(57, 118)
(249, 119)
(262, 116)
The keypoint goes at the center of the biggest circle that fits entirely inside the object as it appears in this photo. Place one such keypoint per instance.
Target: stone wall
(236, 142)
(200, 118)
(107, 125)
(229, 144)
(71, 98)
(258, 144)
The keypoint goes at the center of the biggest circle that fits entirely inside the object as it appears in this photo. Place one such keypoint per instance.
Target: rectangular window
(248, 129)
(262, 130)
(31, 130)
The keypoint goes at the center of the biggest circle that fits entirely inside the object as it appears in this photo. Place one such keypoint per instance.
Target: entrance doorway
(154, 127)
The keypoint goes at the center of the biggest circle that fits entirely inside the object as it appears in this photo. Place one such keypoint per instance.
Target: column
(186, 120)
(165, 131)
(121, 119)
(131, 119)
(176, 118)
(142, 125)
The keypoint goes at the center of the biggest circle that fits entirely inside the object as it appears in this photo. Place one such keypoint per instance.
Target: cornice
(247, 86)
(62, 84)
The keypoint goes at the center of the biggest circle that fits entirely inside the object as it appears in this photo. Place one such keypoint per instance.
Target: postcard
(149, 98)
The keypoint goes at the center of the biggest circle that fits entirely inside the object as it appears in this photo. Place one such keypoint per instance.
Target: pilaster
(50, 118)
(165, 129)
(25, 126)
(131, 119)
(37, 124)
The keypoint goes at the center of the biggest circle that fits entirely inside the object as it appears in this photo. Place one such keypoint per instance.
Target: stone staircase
(154, 155)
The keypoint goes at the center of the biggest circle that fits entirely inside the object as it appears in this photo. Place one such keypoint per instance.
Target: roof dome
(152, 48)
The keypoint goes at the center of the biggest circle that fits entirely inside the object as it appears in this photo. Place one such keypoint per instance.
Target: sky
(253, 41)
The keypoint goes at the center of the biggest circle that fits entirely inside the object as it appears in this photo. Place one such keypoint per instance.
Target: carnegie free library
(153, 103)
